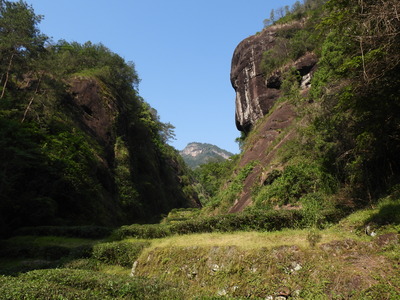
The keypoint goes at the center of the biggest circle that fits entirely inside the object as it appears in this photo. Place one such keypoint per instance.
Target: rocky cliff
(256, 93)
(85, 153)
(152, 176)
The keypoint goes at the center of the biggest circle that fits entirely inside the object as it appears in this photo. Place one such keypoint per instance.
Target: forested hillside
(78, 143)
(317, 102)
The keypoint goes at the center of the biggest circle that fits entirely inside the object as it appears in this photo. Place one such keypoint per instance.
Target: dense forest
(78, 143)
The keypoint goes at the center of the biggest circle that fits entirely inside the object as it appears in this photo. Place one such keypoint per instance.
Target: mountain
(196, 154)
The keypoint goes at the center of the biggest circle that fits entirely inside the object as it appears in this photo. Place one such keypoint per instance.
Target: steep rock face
(264, 149)
(256, 94)
(154, 178)
(96, 112)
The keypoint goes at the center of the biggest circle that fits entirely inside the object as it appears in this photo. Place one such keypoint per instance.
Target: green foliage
(227, 195)
(313, 237)
(122, 253)
(212, 175)
(20, 40)
(81, 284)
(313, 208)
(254, 220)
(22, 161)
(73, 172)
(298, 10)
(145, 231)
(291, 43)
(49, 251)
(354, 86)
(129, 196)
(274, 58)
(94, 60)
(295, 182)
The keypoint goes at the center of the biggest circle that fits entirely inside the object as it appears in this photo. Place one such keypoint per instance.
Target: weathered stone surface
(96, 112)
(255, 94)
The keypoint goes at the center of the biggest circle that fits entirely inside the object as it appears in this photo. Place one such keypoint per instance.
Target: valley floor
(348, 260)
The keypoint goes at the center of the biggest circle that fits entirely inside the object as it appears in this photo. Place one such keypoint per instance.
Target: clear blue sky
(182, 50)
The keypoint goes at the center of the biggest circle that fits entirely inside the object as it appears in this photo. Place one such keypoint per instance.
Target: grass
(343, 264)
(82, 284)
(244, 240)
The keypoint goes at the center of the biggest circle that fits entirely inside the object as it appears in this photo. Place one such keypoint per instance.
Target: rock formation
(96, 112)
(256, 94)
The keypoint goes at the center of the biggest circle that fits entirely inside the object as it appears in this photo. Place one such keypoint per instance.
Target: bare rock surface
(256, 94)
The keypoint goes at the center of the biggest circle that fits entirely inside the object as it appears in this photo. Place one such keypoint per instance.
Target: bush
(296, 181)
(119, 253)
(254, 220)
(260, 220)
(145, 231)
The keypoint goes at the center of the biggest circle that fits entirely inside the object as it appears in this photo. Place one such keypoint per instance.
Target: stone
(222, 292)
(283, 292)
(215, 268)
(134, 266)
(296, 267)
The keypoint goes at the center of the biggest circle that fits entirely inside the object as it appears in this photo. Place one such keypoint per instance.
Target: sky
(182, 51)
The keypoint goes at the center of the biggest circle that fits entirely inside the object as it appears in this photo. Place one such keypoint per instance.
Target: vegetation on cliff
(78, 143)
(340, 150)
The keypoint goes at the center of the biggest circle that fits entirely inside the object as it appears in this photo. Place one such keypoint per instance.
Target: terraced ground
(357, 258)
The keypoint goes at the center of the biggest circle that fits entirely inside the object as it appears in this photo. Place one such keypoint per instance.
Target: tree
(272, 16)
(281, 12)
(296, 8)
(287, 10)
(20, 39)
(167, 132)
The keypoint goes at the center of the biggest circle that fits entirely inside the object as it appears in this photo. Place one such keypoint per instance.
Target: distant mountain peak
(196, 154)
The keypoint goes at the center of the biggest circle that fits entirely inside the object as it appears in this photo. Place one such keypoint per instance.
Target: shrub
(145, 231)
(254, 220)
(296, 181)
(119, 253)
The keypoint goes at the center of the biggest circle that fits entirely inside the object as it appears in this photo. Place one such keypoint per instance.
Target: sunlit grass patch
(244, 240)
